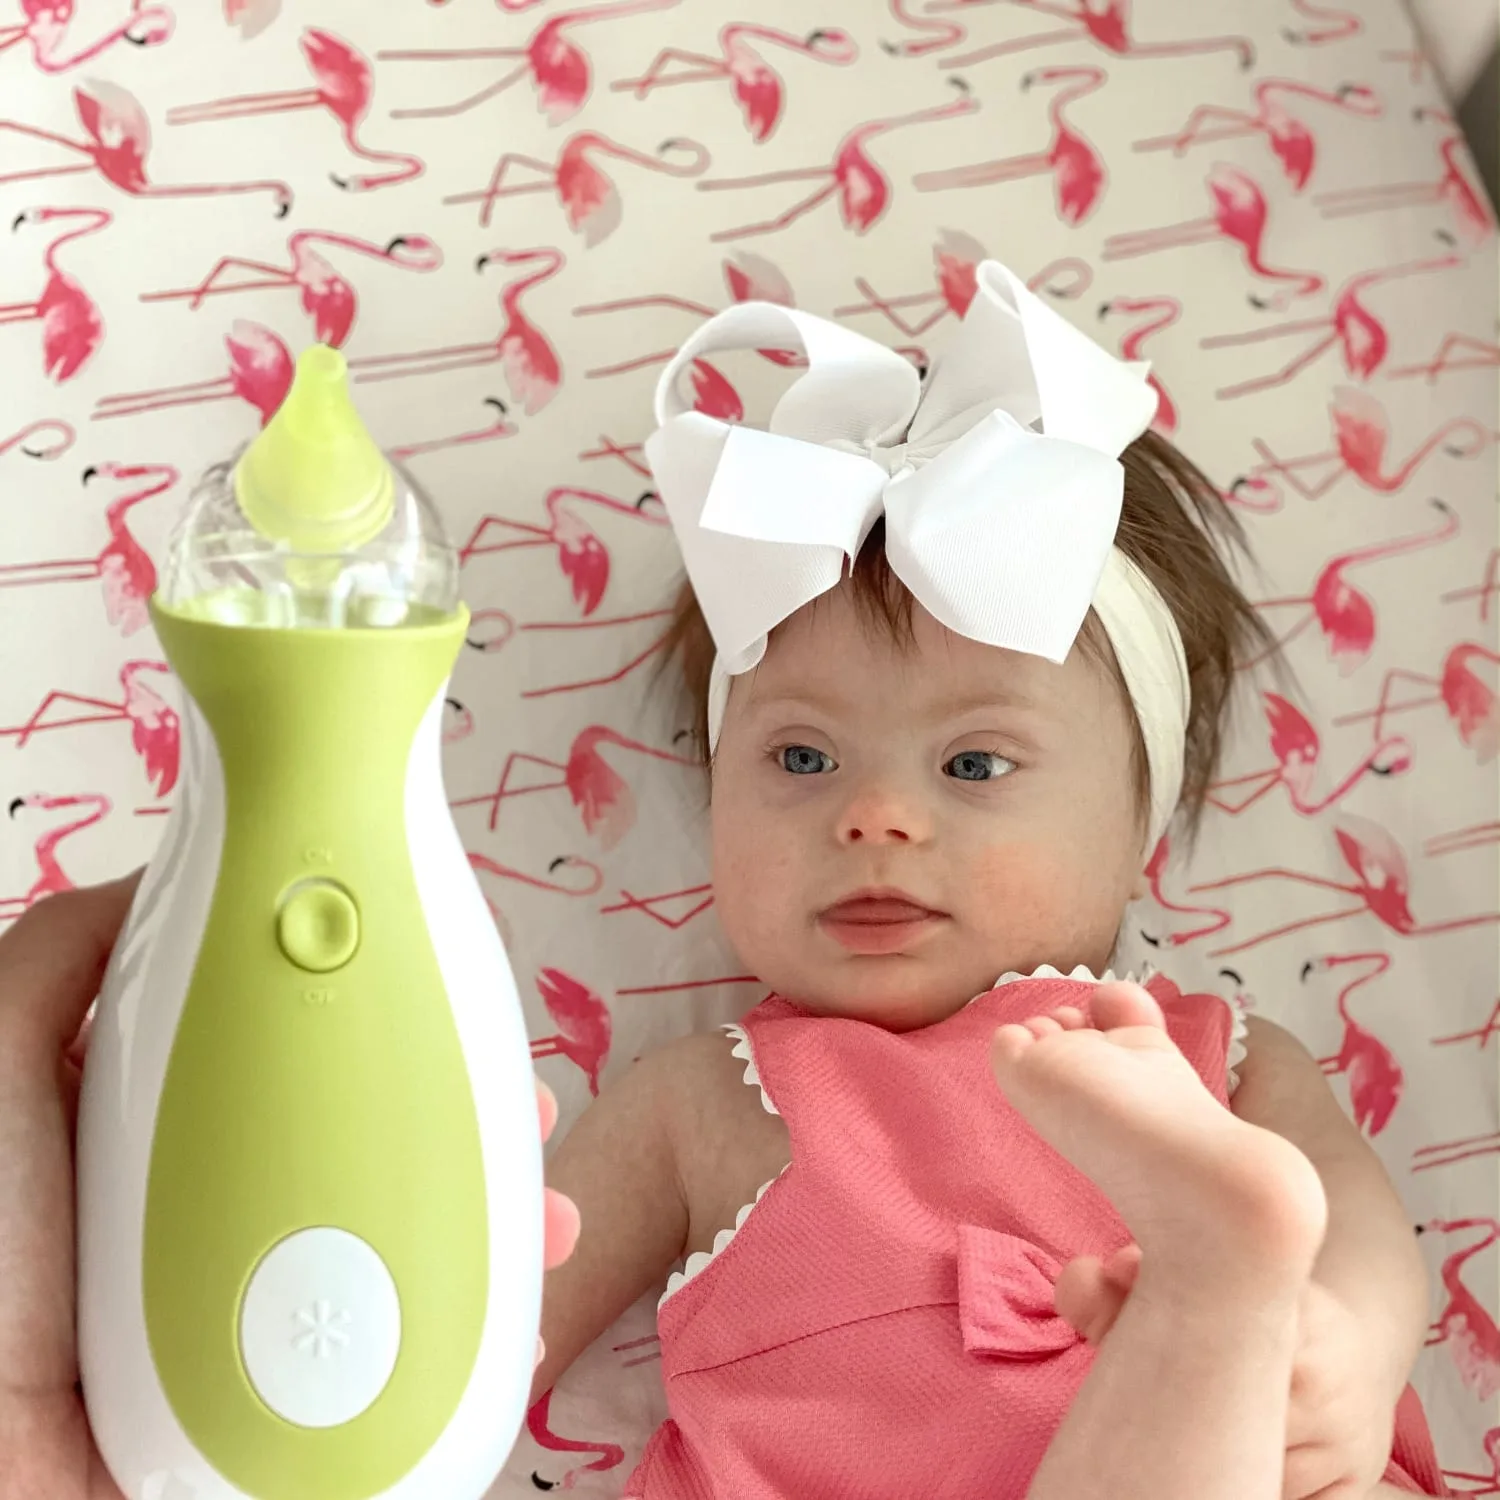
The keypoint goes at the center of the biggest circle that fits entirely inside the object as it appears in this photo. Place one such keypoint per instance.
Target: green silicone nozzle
(314, 478)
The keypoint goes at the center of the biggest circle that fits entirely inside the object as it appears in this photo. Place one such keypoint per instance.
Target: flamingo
(532, 368)
(611, 1455)
(1464, 1324)
(956, 257)
(118, 141)
(251, 16)
(491, 630)
(1078, 174)
(938, 34)
(1375, 1077)
(1450, 1153)
(1160, 313)
(1291, 140)
(1297, 748)
(757, 86)
(72, 327)
(1488, 1484)
(748, 278)
(260, 373)
(123, 567)
(499, 426)
(46, 22)
(1344, 614)
(583, 1025)
(601, 795)
(61, 438)
(482, 864)
(582, 557)
(1470, 702)
(1381, 887)
(1483, 592)
(1340, 24)
(1156, 869)
(52, 879)
(343, 86)
(1454, 186)
(327, 298)
(1361, 435)
(863, 190)
(1360, 336)
(458, 721)
(1456, 352)
(1240, 214)
(687, 903)
(558, 68)
(1106, 25)
(154, 727)
(588, 198)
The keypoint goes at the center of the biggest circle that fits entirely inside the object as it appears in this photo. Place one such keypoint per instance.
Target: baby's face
(893, 828)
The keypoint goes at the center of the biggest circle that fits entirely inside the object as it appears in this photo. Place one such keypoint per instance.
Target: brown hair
(1174, 526)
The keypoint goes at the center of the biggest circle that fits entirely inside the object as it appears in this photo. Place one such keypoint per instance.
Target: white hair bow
(998, 478)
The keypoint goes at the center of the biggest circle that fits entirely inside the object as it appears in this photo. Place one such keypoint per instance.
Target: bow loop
(1006, 1295)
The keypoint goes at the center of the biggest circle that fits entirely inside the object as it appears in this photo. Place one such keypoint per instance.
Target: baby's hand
(1342, 1415)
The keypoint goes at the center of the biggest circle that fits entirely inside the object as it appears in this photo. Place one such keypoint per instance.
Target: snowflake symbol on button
(323, 1327)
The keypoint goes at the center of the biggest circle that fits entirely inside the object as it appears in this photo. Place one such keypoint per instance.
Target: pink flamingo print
(1156, 869)
(1240, 214)
(611, 1455)
(343, 86)
(153, 722)
(1455, 187)
(592, 881)
(327, 298)
(1106, 25)
(670, 909)
(1464, 1325)
(1159, 313)
(1450, 1153)
(1476, 837)
(1330, 25)
(1468, 700)
(1487, 1484)
(583, 558)
(498, 426)
(1483, 592)
(123, 567)
(1344, 614)
(1456, 352)
(260, 373)
(532, 368)
(118, 141)
(588, 197)
(558, 68)
(758, 89)
(26, 440)
(1359, 335)
(491, 630)
(1381, 887)
(458, 721)
(601, 795)
(1294, 144)
(1297, 749)
(251, 16)
(1362, 435)
(936, 34)
(1375, 1077)
(748, 278)
(583, 1025)
(72, 326)
(52, 879)
(863, 190)
(45, 27)
(1078, 174)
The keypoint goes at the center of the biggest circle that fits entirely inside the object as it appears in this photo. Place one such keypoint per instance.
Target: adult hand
(51, 963)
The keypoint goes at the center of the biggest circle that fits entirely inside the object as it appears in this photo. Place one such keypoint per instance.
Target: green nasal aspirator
(309, 1158)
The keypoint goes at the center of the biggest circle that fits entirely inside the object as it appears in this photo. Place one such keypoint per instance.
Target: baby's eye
(978, 765)
(803, 760)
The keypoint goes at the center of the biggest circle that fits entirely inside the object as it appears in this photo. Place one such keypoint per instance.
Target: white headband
(999, 480)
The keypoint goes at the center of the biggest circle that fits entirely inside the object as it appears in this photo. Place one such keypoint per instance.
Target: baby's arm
(1369, 1261)
(618, 1164)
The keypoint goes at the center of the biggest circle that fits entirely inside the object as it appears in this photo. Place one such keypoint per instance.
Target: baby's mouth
(879, 922)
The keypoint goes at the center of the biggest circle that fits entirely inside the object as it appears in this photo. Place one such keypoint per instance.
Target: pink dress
(881, 1322)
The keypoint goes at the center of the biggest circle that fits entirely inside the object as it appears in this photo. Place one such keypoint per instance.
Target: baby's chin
(895, 993)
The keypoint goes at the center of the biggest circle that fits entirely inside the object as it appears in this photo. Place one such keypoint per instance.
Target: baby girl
(960, 649)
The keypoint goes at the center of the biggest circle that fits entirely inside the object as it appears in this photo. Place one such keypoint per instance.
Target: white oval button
(320, 1327)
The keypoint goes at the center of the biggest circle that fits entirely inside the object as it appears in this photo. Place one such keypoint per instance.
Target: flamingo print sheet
(507, 212)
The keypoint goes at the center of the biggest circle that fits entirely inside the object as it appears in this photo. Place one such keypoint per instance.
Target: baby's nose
(881, 815)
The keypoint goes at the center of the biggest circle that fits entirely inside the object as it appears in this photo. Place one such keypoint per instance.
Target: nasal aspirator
(309, 1160)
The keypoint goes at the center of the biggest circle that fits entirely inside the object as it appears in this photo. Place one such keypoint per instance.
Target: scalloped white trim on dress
(743, 1050)
(699, 1259)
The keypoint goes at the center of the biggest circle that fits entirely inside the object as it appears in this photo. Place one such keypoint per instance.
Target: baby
(959, 654)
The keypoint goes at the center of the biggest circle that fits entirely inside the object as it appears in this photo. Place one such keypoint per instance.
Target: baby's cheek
(756, 880)
(1042, 906)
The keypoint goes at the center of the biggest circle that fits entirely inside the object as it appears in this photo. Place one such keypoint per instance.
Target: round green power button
(317, 926)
